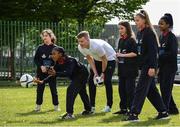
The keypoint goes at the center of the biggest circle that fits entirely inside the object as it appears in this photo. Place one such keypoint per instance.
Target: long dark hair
(168, 19)
(129, 30)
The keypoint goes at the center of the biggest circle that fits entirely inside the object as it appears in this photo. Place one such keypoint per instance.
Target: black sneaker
(132, 117)
(67, 116)
(162, 115)
(174, 111)
(124, 112)
(85, 112)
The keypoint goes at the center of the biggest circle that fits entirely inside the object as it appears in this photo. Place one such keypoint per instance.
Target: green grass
(17, 104)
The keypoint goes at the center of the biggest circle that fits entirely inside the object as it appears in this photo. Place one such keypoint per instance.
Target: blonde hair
(144, 15)
(83, 34)
(50, 33)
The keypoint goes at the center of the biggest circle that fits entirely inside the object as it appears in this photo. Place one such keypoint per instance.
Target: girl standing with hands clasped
(127, 66)
(167, 62)
(43, 61)
(147, 51)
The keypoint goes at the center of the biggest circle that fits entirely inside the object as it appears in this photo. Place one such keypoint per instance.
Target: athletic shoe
(56, 108)
(162, 115)
(107, 109)
(85, 112)
(132, 117)
(37, 108)
(122, 111)
(93, 109)
(174, 111)
(67, 116)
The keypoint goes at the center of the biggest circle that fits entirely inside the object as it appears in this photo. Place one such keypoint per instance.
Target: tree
(108, 9)
(81, 10)
(89, 11)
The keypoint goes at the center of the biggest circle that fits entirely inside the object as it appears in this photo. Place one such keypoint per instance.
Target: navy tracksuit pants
(126, 92)
(53, 88)
(78, 85)
(146, 87)
(166, 87)
(107, 81)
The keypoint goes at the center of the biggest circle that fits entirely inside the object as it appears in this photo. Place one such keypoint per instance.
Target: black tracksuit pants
(78, 85)
(126, 92)
(166, 87)
(146, 87)
(107, 81)
(53, 88)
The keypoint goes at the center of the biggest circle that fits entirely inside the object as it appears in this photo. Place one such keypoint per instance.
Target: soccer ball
(26, 80)
(98, 81)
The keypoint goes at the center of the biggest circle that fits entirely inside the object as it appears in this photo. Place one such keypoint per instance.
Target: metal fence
(19, 40)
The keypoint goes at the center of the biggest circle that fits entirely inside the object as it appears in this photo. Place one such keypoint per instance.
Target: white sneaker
(93, 110)
(37, 108)
(56, 108)
(107, 109)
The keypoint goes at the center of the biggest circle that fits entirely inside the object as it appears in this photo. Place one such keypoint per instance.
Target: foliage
(56, 10)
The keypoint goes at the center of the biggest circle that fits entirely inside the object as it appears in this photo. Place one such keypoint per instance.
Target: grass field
(17, 104)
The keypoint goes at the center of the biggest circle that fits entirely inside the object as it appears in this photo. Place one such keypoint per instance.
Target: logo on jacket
(164, 45)
(43, 56)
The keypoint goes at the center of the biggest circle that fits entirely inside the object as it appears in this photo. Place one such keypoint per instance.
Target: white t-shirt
(97, 49)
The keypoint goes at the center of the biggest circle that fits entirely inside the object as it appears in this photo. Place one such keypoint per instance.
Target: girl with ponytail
(167, 61)
(147, 55)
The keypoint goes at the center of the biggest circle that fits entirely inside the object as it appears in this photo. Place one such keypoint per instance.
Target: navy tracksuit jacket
(168, 67)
